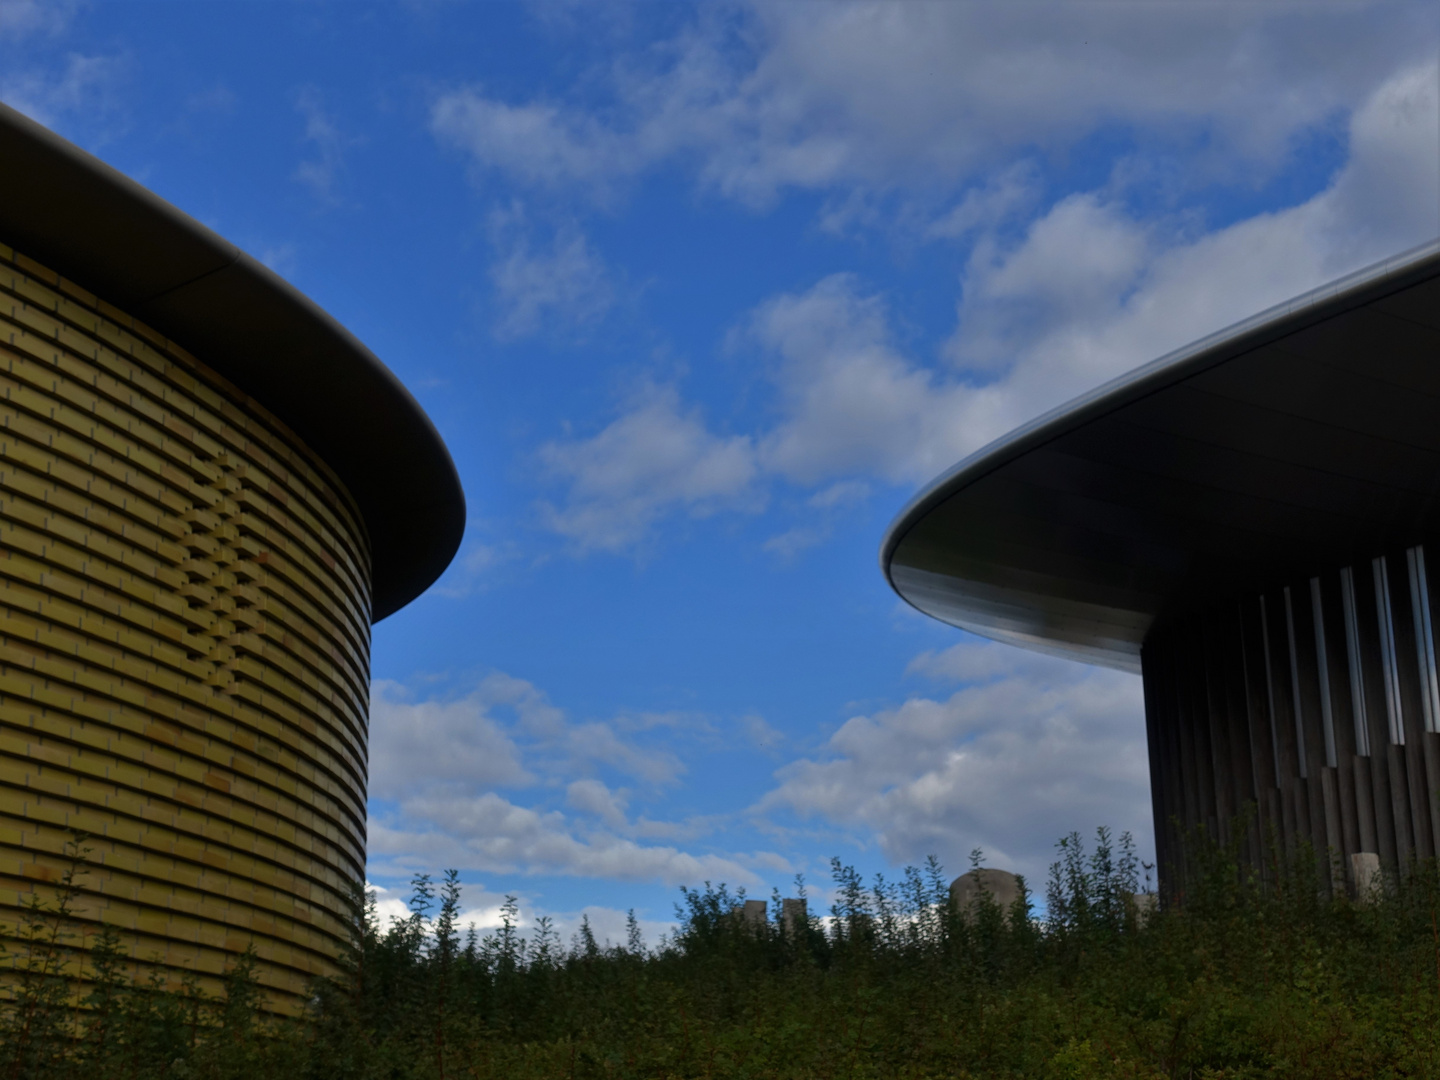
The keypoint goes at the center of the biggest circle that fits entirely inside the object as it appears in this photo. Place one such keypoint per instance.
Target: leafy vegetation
(1241, 978)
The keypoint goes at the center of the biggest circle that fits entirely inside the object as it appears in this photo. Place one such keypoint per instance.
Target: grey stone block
(1146, 905)
(753, 916)
(1365, 872)
(794, 917)
(1002, 886)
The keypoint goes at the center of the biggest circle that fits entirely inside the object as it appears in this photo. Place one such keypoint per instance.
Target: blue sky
(698, 296)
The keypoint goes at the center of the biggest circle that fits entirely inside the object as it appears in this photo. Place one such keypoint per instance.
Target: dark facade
(1306, 713)
(1246, 522)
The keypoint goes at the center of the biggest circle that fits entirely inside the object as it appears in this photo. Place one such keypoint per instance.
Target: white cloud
(490, 833)
(482, 909)
(84, 87)
(1087, 292)
(971, 661)
(852, 403)
(821, 510)
(654, 458)
(761, 732)
(20, 18)
(474, 568)
(567, 283)
(990, 203)
(921, 95)
(482, 737)
(609, 926)
(416, 745)
(1033, 748)
(436, 765)
(283, 258)
(1091, 292)
(593, 797)
(598, 744)
(537, 143)
(322, 172)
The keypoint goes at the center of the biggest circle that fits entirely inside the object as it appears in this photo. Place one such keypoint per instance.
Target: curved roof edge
(98, 228)
(1354, 291)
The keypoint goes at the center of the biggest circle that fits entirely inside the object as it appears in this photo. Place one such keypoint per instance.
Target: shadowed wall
(1310, 712)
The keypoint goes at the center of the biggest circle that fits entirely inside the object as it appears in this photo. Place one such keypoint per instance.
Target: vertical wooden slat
(1337, 671)
(1394, 836)
(1157, 719)
(1211, 647)
(1429, 739)
(1228, 730)
(1411, 719)
(1430, 777)
(1293, 796)
(1180, 813)
(1197, 690)
(1190, 810)
(1262, 762)
(1230, 645)
(1321, 805)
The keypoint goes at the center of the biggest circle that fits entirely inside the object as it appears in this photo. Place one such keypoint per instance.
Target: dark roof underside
(1298, 441)
(95, 226)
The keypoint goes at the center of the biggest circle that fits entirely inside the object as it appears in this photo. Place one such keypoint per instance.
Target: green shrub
(1235, 978)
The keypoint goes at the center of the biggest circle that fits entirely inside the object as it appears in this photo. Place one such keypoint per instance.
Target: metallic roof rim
(1354, 290)
(429, 554)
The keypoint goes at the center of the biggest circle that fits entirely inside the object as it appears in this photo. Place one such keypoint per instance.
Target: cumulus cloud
(656, 457)
(20, 18)
(1086, 292)
(475, 568)
(761, 732)
(414, 745)
(84, 86)
(852, 402)
(565, 282)
(321, 172)
(478, 741)
(920, 95)
(490, 833)
(1030, 749)
(1090, 291)
(593, 797)
(439, 765)
(483, 910)
(537, 143)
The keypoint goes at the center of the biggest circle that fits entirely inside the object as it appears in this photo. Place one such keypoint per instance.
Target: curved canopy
(97, 227)
(1298, 441)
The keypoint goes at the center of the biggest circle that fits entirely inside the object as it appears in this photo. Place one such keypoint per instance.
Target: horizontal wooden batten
(184, 649)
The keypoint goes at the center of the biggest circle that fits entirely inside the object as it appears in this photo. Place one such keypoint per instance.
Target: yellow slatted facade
(184, 648)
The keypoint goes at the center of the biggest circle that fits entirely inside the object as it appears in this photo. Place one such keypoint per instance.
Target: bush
(1238, 978)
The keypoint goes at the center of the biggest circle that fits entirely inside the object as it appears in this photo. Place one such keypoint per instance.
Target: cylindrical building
(1251, 523)
(208, 492)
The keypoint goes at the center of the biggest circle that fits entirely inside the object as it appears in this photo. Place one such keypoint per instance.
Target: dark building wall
(1304, 715)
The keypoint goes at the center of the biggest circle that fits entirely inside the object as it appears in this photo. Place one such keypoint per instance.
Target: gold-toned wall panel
(184, 648)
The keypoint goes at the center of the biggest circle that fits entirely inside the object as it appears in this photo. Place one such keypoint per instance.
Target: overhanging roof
(1297, 441)
(97, 227)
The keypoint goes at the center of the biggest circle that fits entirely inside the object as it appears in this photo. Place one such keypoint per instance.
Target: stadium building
(1250, 523)
(209, 491)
